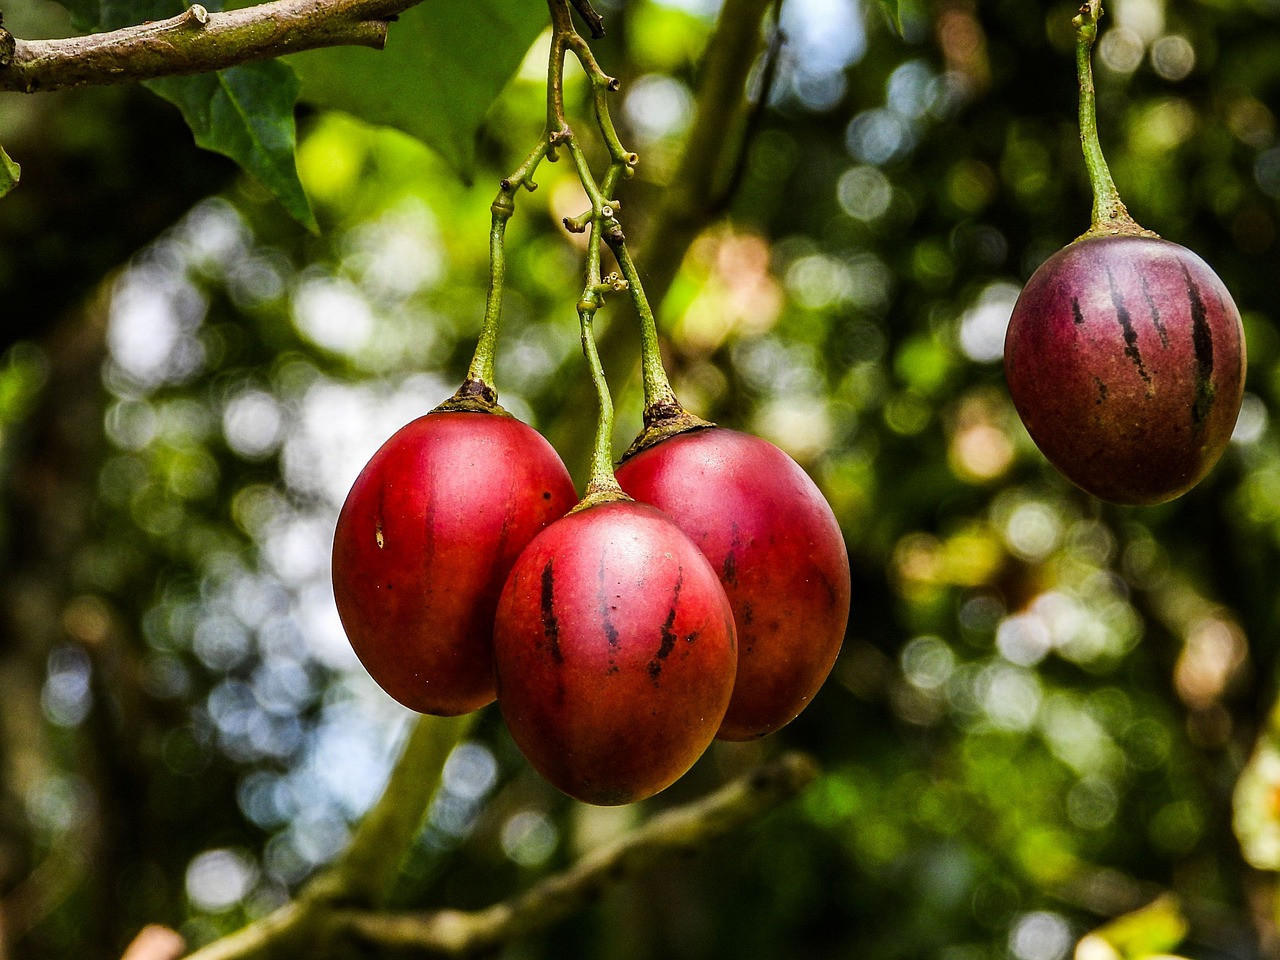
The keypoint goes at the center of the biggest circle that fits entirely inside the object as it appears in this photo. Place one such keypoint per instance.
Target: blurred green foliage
(1043, 704)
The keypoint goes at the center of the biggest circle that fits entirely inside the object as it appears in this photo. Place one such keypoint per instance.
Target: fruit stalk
(663, 414)
(659, 397)
(1110, 216)
(602, 485)
(479, 380)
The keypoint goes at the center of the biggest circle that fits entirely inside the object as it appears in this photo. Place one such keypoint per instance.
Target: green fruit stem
(602, 485)
(657, 387)
(502, 208)
(477, 393)
(482, 362)
(1110, 217)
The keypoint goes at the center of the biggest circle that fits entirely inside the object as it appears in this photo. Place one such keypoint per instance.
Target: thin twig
(594, 21)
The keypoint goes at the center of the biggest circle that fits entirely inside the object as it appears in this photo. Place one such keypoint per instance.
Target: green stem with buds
(502, 208)
(602, 485)
(663, 414)
(1110, 217)
(477, 392)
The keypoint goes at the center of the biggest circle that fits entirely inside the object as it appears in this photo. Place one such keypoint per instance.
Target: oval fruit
(1125, 358)
(424, 543)
(615, 654)
(775, 543)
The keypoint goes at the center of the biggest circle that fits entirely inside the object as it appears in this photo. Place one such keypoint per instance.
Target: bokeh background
(1044, 706)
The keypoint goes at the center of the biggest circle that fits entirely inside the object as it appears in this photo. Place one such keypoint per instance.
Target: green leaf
(86, 15)
(93, 15)
(246, 113)
(444, 65)
(113, 14)
(9, 173)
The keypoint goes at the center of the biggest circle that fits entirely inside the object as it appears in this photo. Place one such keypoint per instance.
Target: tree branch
(367, 870)
(195, 41)
(457, 933)
(319, 923)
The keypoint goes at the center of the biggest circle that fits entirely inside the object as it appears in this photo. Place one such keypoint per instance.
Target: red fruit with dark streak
(1125, 358)
(615, 653)
(424, 543)
(772, 537)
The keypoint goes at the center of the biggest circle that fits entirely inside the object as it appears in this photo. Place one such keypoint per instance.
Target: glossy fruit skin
(615, 653)
(1125, 358)
(775, 543)
(424, 543)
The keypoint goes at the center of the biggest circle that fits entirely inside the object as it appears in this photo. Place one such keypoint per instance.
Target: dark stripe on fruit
(668, 634)
(610, 628)
(1076, 316)
(1102, 392)
(1155, 313)
(1202, 340)
(833, 597)
(730, 574)
(500, 548)
(1130, 335)
(550, 625)
(429, 524)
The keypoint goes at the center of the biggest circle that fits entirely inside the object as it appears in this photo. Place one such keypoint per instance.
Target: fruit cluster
(619, 636)
(703, 590)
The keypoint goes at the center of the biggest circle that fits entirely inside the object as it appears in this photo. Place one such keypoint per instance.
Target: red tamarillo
(775, 543)
(1125, 354)
(615, 652)
(424, 543)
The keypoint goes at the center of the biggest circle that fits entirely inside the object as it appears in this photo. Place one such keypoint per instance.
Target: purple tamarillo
(1125, 359)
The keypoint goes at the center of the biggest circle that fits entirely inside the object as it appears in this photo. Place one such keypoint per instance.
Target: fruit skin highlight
(424, 543)
(1125, 358)
(615, 653)
(775, 543)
